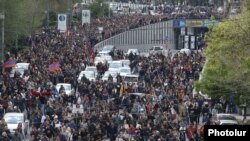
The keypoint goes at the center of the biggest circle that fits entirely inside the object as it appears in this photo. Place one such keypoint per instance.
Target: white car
(100, 60)
(131, 79)
(115, 65)
(69, 90)
(125, 63)
(107, 49)
(13, 119)
(20, 67)
(91, 68)
(108, 58)
(134, 51)
(156, 50)
(90, 75)
(225, 119)
(107, 73)
(123, 71)
(23, 65)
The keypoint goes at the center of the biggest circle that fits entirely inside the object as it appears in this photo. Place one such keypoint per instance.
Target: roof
(117, 61)
(86, 72)
(58, 84)
(22, 63)
(133, 50)
(109, 72)
(228, 122)
(14, 114)
(125, 67)
(138, 94)
(91, 67)
(224, 114)
(132, 75)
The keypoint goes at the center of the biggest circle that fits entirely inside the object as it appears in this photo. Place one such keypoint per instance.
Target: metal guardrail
(145, 35)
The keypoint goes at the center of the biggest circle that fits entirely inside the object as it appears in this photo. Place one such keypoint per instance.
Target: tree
(24, 17)
(99, 8)
(227, 67)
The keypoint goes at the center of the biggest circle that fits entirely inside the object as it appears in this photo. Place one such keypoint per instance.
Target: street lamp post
(69, 13)
(2, 43)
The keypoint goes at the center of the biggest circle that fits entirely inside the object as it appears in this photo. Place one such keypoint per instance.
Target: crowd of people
(110, 110)
(106, 27)
(173, 11)
(191, 12)
(103, 28)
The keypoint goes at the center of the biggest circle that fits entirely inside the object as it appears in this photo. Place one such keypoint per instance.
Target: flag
(10, 63)
(54, 66)
(166, 40)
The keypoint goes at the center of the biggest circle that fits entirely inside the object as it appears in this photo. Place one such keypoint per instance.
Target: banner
(186, 42)
(86, 16)
(179, 23)
(194, 23)
(192, 42)
(62, 22)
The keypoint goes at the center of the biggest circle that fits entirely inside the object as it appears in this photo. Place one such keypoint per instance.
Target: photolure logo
(232, 132)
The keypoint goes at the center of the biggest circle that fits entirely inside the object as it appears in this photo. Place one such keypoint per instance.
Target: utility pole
(2, 16)
(69, 13)
(109, 8)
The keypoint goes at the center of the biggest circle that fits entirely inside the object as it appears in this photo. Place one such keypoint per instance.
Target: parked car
(225, 119)
(108, 58)
(131, 79)
(91, 68)
(107, 49)
(13, 119)
(100, 60)
(68, 88)
(125, 62)
(90, 75)
(156, 50)
(115, 65)
(134, 51)
(123, 71)
(20, 68)
(108, 73)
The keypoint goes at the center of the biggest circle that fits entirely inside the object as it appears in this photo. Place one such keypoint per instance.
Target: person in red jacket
(44, 93)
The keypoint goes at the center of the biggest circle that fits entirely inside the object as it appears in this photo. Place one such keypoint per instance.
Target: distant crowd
(111, 111)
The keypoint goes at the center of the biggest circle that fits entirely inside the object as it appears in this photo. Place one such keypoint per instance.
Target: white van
(107, 49)
(156, 50)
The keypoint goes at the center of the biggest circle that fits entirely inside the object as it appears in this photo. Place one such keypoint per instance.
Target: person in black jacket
(112, 131)
(145, 132)
(171, 137)
(49, 131)
(4, 137)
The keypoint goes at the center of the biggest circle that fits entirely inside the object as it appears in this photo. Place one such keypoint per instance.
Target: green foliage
(99, 8)
(227, 67)
(24, 17)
